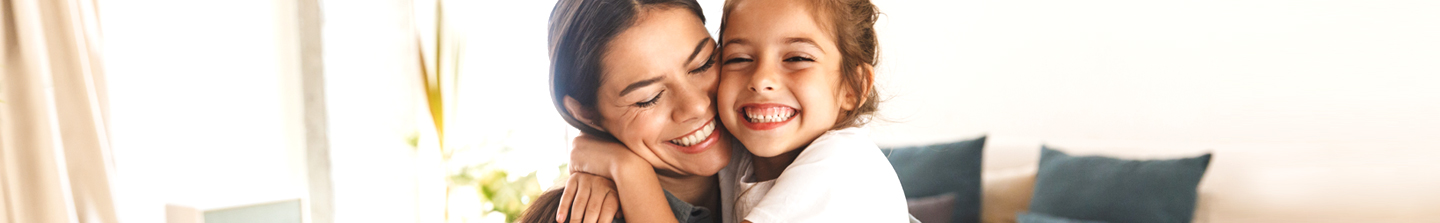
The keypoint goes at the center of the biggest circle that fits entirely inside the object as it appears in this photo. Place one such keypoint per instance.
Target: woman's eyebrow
(698, 48)
(639, 84)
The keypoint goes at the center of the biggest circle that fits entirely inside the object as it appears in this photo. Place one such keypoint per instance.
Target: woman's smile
(697, 141)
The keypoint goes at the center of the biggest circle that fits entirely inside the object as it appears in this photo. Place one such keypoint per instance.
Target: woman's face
(657, 93)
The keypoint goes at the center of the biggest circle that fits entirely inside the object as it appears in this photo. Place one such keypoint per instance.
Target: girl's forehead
(772, 20)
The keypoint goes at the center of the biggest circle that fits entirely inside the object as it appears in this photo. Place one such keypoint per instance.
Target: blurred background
(438, 110)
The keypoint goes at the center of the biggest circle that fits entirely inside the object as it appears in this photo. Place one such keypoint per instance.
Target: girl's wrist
(629, 167)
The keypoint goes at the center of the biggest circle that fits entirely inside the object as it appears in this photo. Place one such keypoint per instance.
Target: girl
(796, 84)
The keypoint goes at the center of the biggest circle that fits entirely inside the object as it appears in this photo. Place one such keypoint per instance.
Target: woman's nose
(694, 103)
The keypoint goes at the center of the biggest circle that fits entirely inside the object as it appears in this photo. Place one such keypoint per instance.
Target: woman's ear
(581, 113)
(856, 97)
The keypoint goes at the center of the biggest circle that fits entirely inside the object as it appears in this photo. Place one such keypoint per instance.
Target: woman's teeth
(768, 115)
(696, 137)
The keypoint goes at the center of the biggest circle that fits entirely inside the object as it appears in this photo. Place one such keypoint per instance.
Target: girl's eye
(737, 60)
(708, 63)
(799, 59)
(651, 102)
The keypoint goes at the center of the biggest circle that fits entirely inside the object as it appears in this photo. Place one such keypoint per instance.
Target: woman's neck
(697, 190)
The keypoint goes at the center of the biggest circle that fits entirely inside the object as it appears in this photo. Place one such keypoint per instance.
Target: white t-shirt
(841, 177)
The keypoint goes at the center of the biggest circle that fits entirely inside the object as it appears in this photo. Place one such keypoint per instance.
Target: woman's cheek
(633, 121)
(712, 82)
(653, 125)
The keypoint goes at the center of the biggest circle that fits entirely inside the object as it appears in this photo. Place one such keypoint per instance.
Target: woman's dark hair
(580, 33)
(544, 209)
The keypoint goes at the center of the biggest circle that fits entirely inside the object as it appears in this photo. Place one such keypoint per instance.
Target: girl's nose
(765, 79)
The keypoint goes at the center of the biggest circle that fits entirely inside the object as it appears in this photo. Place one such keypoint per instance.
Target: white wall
(198, 106)
(372, 95)
(1315, 110)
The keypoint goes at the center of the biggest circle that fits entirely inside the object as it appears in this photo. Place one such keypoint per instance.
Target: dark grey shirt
(685, 212)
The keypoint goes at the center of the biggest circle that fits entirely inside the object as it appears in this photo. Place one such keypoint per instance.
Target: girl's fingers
(565, 197)
(597, 199)
(610, 208)
(582, 198)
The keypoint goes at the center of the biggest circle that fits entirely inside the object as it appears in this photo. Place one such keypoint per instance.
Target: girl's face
(780, 84)
(656, 93)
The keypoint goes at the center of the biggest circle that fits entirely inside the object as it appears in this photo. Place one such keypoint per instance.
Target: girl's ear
(581, 113)
(856, 97)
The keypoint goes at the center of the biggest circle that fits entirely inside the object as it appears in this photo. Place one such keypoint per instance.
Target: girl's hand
(594, 199)
(634, 183)
(602, 157)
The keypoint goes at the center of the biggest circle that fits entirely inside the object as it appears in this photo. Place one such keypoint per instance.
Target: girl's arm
(640, 196)
(594, 196)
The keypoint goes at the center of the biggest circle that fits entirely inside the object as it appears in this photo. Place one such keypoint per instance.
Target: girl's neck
(701, 191)
(769, 168)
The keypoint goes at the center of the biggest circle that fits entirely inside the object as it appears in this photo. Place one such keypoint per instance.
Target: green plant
(507, 196)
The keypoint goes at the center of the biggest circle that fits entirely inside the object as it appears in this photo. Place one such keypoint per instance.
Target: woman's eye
(651, 102)
(737, 60)
(708, 63)
(799, 59)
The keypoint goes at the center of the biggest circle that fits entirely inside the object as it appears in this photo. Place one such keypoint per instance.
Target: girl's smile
(768, 116)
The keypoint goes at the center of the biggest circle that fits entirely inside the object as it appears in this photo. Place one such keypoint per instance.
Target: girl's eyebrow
(733, 41)
(803, 40)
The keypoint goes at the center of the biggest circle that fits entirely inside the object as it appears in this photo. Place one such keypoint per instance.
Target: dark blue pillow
(932, 170)
(1117, 190)
(1032, 217)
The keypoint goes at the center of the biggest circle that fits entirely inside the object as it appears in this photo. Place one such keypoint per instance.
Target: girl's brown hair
(852, 24)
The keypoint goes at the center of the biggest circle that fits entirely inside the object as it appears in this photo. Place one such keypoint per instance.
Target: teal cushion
(1117, 190)
(932, 170)
(1032, 217)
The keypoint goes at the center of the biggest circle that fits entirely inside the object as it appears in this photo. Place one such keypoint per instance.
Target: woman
(641, 73)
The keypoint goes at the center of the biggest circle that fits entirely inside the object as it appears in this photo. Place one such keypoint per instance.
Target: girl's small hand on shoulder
(589, 199)
(602, 157)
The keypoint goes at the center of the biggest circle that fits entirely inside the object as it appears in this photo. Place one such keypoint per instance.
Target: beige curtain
(54, 151)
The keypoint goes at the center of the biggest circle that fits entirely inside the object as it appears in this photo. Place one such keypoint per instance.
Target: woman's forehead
(665, 35)
(660, 42)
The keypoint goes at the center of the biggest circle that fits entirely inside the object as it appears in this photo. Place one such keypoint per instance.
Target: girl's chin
(768, 146)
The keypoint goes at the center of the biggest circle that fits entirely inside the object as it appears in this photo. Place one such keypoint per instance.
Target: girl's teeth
(767, 115)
